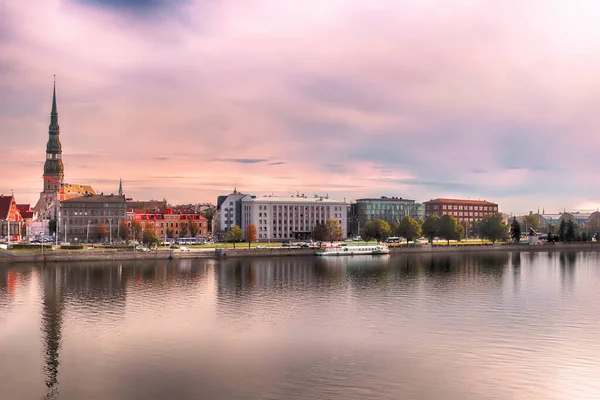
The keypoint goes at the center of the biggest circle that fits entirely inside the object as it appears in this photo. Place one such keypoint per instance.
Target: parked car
(183, 248)
(143, 249)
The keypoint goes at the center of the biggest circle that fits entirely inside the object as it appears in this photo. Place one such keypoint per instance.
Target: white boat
(353, 249)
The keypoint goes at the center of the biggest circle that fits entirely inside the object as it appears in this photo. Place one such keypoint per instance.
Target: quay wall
(108, 255)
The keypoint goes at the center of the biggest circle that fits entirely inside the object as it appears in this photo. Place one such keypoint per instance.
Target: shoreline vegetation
(95, 253)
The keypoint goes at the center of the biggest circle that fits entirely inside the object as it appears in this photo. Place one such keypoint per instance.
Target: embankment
(111, 255)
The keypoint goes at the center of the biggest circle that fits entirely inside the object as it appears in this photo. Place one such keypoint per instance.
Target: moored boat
(353, 249)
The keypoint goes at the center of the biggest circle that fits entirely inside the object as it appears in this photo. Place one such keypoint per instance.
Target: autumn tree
(376, 229)
(170, 233)
(250, 234)
(409, 228)
(449, 228)
(123, 231)
(430, 227)
(149, 236)
(234, 235)
(515, 231)
(136, 230)
(335, 231)
(101, 231)
(194, 229)
(492, 227)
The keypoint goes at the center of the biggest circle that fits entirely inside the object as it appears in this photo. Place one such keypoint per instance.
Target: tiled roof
(73, 188)
(5, 203)
(462, 201)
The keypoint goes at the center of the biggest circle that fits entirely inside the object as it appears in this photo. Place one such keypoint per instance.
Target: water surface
(472, 326)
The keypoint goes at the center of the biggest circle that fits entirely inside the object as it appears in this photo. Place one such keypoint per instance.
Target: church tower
(53, 167)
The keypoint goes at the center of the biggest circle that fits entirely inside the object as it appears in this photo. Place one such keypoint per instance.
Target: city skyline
(471, 100)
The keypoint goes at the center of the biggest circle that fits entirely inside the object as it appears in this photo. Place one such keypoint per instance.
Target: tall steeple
(53, 168)
(120, 187)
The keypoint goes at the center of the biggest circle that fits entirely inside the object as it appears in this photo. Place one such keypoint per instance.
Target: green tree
(194, 229)
(209, 214)
(449, 228)
(183, 230)
(430, 227)
(570, 232)
(515, 231)
(530, 221)
(136, 229)
(234, 235)
(492, 227)
(410, 229)
(335, 231)
(170, 233)
(123, 231)
(376, 229)
(562, 230)
(250, 234)
(149, 236)
(101, 231)
(320, 232)
(584, 236)
(395, 228)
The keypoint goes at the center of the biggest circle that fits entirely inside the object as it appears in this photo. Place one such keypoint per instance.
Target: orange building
(169, 224)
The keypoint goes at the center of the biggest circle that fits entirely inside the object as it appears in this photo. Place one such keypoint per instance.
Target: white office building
(291, 218)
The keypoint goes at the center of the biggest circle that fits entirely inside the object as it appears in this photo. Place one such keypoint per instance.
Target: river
(453, 327)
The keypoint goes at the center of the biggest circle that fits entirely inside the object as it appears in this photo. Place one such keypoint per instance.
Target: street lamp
(110, 230)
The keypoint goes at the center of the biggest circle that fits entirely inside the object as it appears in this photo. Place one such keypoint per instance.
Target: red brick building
(179, 223)
(463, 210)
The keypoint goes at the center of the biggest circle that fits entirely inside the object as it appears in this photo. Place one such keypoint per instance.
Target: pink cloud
(432, 91)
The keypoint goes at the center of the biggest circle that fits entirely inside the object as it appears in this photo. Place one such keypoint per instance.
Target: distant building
(229, 212)
(281, 218)
(29, 216)
(170, 224)
(390, 209)
(146, 206)
(84, 218)
(11, 221)
(463, 210)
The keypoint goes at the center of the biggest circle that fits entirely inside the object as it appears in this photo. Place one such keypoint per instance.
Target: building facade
(390, 209)
(462, 210)
(92, 218)
(229, 212)
(290, 218)
(170, 224)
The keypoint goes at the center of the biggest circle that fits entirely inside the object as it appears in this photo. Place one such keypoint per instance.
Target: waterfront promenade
(193, 253)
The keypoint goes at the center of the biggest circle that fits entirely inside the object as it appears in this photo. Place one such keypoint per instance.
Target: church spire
(54, 112)
(120, 187)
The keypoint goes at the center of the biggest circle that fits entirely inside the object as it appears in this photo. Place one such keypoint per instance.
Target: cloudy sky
(494, 100)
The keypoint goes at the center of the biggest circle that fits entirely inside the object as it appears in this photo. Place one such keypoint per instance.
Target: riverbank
(112, 255)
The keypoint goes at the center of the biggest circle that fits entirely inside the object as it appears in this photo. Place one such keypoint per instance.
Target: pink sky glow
(494, 100)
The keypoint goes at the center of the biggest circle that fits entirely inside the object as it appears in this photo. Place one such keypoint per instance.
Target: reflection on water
(471, 326)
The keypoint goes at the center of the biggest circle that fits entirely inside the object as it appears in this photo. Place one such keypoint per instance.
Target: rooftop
(5, 203)
(386, 199)
(462, 201)
(294, 199)
(97, 198)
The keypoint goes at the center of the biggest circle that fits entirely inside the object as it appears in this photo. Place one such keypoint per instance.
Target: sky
(493, 100)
